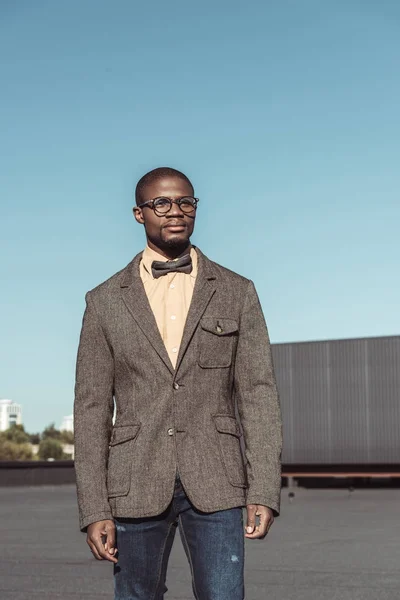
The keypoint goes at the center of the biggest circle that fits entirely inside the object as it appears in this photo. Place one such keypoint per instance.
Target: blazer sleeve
(93, 412)
(258, 405)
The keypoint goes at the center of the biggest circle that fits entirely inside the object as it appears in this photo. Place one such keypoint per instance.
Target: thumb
(251, 518)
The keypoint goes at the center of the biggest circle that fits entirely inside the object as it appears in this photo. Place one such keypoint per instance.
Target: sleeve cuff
(84, 522)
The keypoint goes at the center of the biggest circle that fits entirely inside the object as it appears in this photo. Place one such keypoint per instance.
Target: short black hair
(156, 175)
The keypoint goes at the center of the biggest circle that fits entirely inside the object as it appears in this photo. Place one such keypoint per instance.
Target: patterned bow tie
(179, 265)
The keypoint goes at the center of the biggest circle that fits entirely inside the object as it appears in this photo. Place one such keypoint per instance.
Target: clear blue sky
(285, 115)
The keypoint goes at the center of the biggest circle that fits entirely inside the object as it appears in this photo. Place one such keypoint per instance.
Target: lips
(175, 226)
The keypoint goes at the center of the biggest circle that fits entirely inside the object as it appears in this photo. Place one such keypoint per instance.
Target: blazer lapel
(134, 296)
(204, 289)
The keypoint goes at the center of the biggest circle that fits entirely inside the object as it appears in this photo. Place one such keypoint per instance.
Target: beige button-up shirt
(169, 297)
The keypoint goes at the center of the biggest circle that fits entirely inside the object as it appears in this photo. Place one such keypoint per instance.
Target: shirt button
(171, 431)
(172, 286)
(176, 386)
(173, 317)
(174, 349)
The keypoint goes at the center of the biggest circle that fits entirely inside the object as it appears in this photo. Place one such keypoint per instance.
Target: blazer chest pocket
(120, 458)
(229, 445)
(216, 342)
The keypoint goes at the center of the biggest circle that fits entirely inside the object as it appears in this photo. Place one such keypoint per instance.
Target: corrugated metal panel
(310, 393)
(384, 398)
(340, 400)
(349, 408)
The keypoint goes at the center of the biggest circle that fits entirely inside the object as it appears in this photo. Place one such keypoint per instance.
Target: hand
(101, 540)
(266, 515)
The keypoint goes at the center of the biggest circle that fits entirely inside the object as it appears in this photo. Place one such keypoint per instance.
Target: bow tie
(180, 265)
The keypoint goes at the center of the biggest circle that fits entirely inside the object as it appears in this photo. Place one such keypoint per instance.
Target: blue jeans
(213, 542)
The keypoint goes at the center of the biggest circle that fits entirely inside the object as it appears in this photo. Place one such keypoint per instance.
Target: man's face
(174, 229)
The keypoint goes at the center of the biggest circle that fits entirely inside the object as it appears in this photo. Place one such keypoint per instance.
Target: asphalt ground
(326, 545)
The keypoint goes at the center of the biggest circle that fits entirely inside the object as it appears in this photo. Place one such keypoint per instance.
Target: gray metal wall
(36, 472)
(340, 400)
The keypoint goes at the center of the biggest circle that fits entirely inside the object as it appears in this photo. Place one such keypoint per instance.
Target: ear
(138, 214)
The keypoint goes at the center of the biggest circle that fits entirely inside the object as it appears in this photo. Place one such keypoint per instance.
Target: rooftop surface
(326, 545)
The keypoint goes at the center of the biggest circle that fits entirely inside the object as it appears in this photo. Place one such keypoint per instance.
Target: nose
(175, 210)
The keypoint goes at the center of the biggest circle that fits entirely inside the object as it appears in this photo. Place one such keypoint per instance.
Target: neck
(171, 252)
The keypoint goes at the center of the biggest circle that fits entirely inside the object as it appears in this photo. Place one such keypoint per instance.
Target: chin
(176, 241)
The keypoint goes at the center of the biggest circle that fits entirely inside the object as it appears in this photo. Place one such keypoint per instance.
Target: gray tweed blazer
(215, 419)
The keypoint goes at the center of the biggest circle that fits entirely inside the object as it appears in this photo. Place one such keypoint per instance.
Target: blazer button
(176, 386)
(171, 431)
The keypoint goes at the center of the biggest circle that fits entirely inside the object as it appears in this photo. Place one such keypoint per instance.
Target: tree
(17, 434)
(34, 438)
(50, 448)
(51, 432)
(12, 451)
(67, 437)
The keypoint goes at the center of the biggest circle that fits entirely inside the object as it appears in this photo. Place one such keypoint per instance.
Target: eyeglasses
(162, 205)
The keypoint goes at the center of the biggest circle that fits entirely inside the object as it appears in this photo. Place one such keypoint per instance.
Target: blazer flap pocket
(227, 424)
(123, 433)
(219, 326)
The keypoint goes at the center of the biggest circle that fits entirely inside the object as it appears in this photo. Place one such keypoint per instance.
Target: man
(180, 344)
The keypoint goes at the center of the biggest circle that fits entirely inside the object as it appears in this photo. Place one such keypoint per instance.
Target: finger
(110, 544)
(257, 534)
(254, 534)
(251, 518)
(266, 520)
(93, 550)
(98, 543)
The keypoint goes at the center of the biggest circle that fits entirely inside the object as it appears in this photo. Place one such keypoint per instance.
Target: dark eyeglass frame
(178, 201)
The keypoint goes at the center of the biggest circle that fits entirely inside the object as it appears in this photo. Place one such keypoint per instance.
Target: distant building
(69, 449)
(10, 414)
(67, 423)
